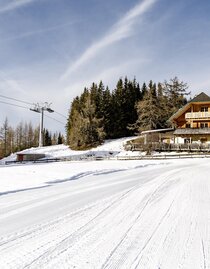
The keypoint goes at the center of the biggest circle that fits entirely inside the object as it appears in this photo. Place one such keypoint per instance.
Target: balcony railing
(155, 146)
(197, 115)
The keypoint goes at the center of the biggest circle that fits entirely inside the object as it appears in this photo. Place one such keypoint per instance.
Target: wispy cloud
(8, 84)
(122, 29)
(14, 5)
(39, 31)
(108, 75)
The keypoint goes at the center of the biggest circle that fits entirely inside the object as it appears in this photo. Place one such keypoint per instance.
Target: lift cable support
(40, 108)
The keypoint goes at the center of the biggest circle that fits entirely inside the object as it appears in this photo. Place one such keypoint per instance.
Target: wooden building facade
(192, 122)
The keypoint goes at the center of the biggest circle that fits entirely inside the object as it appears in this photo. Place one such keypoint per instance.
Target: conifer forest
(101, 113)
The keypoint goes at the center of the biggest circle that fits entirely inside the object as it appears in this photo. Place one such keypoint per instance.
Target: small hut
(21, 157)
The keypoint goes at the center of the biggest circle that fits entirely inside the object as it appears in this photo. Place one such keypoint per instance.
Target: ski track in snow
(161, 222)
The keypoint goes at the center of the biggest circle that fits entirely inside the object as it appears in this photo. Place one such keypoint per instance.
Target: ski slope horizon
(146, 214)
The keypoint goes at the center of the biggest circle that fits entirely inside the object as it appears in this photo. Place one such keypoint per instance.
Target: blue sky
(51, 49)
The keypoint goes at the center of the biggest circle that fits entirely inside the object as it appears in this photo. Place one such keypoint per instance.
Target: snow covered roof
(158, 131)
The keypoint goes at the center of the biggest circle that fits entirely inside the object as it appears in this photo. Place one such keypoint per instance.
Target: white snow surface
(146, 214)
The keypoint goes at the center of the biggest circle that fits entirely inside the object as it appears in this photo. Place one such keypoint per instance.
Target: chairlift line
(14, 99)
(35, 108)
(14, 105)
(28, 103)
(55, 119)
(60, 114)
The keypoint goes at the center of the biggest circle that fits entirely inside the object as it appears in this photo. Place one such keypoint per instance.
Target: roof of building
(202, 97)
(189, 131)
(30, 153)
(179, 112)
(158, 131)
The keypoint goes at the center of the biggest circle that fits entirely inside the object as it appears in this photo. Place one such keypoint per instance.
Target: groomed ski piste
(146, 214)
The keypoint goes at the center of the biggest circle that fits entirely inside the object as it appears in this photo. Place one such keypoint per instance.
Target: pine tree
(99, 100)
(92, 129)
(116, 107)
(163, 113)
(84, 129)
(60, 139)
(147, 110)
(47, 138)
(72, 123)
(144, 89)
(6, 138)
(4, 132)
(107, 113)
(132, 96)
(175, 91)
(125, 96)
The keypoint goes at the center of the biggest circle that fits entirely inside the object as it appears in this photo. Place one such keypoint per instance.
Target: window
(203, 140)
(188, 125)
(204, 109)
(204, 125)
(186, 140)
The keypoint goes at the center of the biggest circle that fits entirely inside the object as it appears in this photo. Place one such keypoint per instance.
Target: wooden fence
(159, 147)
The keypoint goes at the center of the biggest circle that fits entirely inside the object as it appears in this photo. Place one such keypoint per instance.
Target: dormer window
(204, 109)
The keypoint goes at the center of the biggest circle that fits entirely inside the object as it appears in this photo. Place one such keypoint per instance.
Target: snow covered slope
(108, 214)
(109, 148)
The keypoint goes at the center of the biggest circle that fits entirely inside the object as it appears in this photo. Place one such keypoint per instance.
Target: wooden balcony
(197, 115)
